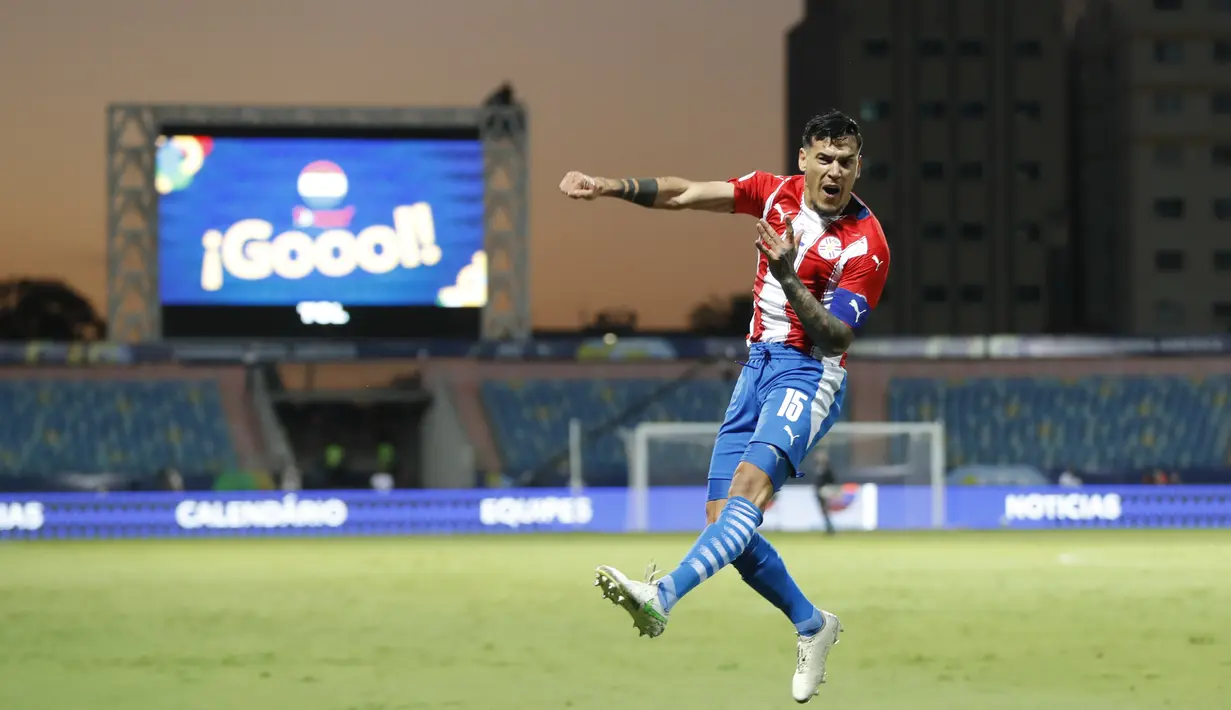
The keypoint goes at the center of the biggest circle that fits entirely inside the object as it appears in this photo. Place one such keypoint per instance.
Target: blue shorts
(783, 398)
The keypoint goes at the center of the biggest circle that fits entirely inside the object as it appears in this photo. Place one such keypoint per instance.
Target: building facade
(964, 109)
(1152, 93)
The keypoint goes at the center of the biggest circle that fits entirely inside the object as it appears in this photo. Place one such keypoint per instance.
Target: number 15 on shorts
(792, 405)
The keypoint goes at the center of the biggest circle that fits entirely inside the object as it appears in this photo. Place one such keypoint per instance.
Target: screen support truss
(133, 312)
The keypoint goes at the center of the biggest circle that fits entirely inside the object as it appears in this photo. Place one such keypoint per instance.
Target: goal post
(884, 453)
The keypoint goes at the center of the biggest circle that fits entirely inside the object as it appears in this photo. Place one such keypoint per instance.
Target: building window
(1028, 293)
(931, 48)
(933, 232)
(1029, 110)
(935, 294)
(970, 171)
(1222, 260)
(932, 170)
(1222, 209)
(875, 110)
(876, 47)
(1168, 261)
(1168, 313)
(1028, 48)
(932, 109)
(1168, 5)
(1169, 208)
(1168, 51)
(1169, 155)
(1220, 103)
(876, 170)
(972, 293)
(1030, 232)
(970, 48)
(1029, 171)
(972, 109)
(972, 231)
(1220, 156)
(1168, 103)
(1222, 312)
(1222, 51)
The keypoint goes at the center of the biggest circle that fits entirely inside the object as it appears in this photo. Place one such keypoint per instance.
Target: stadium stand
(530, 418)
(1087, 423)
(120, 426)
(1092, 424)
(129, 427)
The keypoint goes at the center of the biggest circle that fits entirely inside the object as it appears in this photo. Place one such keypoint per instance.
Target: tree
(722, 316)
(709, 317)
(47, 310)
(619, 320)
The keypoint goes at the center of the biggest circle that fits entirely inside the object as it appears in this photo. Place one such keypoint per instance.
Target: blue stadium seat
(134, 427)
(530, 420)
(1087, 423)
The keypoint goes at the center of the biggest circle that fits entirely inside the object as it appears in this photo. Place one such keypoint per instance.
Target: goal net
(867, 458)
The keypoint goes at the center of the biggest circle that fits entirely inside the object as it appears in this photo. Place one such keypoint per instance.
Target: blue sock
(719, 544)
(763, 569)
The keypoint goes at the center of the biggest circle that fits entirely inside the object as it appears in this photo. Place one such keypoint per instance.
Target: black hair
(832, 125)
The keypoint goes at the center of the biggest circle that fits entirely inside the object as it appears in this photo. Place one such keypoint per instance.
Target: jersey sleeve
(860, 285)
(752, 191)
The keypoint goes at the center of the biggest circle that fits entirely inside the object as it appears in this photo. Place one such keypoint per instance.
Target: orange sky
(641, 87)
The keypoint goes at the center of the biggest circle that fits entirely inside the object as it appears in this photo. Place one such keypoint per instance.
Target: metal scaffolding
(133, 311)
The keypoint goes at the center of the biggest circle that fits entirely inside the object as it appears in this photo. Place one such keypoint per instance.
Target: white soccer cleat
(813, 652)
(639, 599)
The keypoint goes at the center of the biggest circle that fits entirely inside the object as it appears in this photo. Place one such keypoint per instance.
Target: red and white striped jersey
(843, 261)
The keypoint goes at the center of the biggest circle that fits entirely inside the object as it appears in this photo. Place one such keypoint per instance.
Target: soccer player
(822, 264)
(825, 483)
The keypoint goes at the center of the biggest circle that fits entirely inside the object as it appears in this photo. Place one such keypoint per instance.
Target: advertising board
(596, 510)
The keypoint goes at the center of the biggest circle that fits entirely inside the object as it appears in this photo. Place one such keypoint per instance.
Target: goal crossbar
(644, 433)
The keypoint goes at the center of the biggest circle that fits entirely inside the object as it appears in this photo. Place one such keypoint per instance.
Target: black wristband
(639, 191)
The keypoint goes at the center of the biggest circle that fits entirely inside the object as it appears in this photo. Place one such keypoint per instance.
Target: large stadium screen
(340, 235)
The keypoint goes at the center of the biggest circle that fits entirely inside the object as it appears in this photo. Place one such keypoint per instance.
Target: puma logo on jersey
(787, 220)
(877, 259)
(791, 434)
(855, 307)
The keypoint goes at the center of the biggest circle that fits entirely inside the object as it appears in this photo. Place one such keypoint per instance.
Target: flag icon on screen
(323, 187)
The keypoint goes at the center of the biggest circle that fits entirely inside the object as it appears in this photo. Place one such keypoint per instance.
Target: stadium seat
(131, 427)
(530, 420)
(1086, 424)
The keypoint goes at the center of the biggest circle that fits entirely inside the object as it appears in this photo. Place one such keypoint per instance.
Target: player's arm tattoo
(824, 328)
(671, 193)
(639, 191)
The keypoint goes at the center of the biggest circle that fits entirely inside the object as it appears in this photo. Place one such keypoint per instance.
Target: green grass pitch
(1090, 620)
